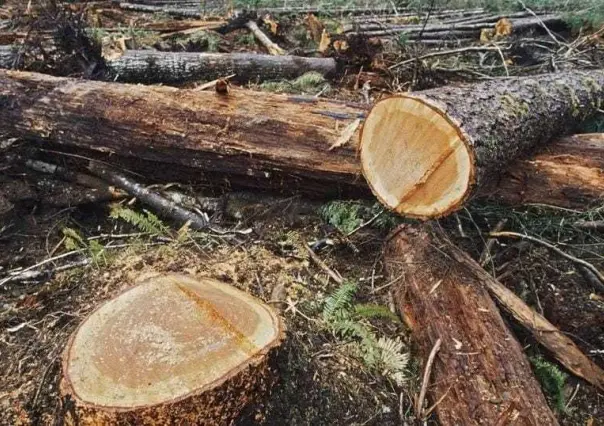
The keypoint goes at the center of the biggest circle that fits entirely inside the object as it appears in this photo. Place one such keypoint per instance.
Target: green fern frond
(146, 222)
(552, 381)
(339, 301)
(372, 310)
(393, 360)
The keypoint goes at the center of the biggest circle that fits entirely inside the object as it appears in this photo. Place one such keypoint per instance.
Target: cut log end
(415, 158)
(173, 348)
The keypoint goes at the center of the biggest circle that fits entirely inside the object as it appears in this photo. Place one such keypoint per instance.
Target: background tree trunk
(145, 66)
(480, 376)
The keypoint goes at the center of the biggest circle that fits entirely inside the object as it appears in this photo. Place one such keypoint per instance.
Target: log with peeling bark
(480, 375)
(568, 172)
(7, 56)
(246, 139)
(424, 154)
(145, 66)
(171, 350)
(255, 139)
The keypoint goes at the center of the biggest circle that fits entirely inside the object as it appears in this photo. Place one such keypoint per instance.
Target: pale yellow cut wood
(415, 159)
(168, 340)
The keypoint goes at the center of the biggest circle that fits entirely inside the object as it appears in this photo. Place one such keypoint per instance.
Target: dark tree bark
(261, 139)
(246, 139)
(425, 153)
(142, 66)
(480, 375)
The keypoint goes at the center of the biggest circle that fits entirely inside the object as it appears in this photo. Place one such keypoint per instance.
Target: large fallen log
(480, 375)
(424, 154)
(253, 139)
(171, 350)
(568, 172)
(146, 66)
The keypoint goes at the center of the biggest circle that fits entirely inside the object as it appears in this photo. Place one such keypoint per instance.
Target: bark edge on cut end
(417, 160)
(171, 349)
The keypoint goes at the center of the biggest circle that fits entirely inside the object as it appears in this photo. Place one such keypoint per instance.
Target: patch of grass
(245, 39)
(310, 83)
(552, 381)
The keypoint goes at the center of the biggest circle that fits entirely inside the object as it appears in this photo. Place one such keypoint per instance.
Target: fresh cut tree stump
(172, 350)
(424, 154)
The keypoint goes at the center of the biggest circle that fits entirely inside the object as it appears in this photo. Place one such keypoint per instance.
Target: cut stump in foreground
(480, 376)
(171, 350)
(424, 154)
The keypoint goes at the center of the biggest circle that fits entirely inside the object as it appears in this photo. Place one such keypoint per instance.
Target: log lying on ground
(424, 154)
(568, 172)
(145, 66)
(481, 375)
(253, 139)
(172, 350)
(262, 139)
(413, 31)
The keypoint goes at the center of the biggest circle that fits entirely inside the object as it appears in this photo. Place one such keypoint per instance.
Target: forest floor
(328, 374)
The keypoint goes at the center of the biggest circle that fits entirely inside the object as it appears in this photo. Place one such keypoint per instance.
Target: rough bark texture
(143, 66)
(480, 375)
(569, 172)
(256, 140)
(495, 122)
(505, 118)
(275, 141)
(7, 56)
(158, 346)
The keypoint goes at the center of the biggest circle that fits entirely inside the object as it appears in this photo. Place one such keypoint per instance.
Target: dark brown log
(425, 154)
(480, 375)
(144, 66)
(264, 139)
(253, 139)
(569, 172)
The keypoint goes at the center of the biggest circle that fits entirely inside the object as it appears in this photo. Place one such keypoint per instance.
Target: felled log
(181, 12)
(272, 47)
(171, 350)
(254, 139)
(247, 139)
(424, 154)
(569, 172)
(145, 66)
(519, 24)
(480, 375)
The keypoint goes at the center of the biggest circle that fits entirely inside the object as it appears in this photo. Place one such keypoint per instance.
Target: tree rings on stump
(416, 160)
(171, 350)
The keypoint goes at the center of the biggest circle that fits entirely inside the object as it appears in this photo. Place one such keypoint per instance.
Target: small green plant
(245, 39)
(349, 215)
(74, 241)
(552, 381)
(145, 222)
(345, 319)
